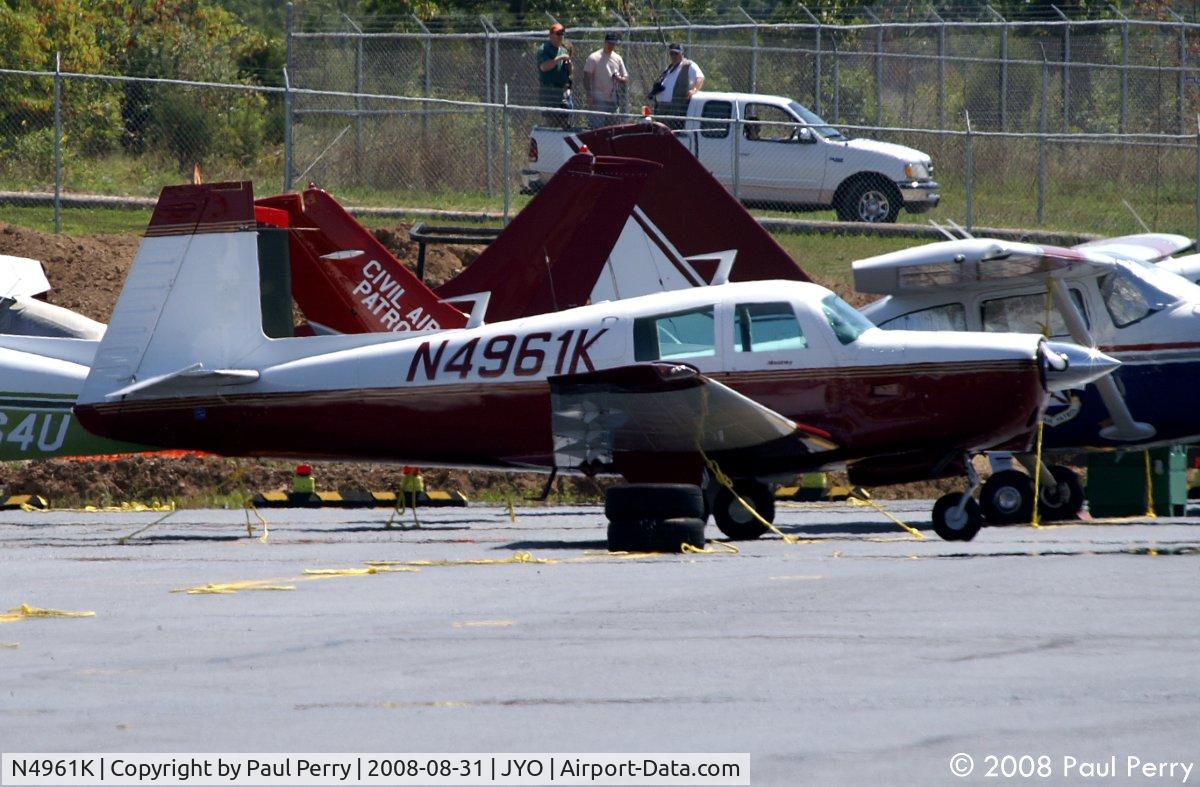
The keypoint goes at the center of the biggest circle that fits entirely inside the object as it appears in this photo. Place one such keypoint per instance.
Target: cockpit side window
(670, 337)
(766, 327)
(1028, 314)
(947, 317)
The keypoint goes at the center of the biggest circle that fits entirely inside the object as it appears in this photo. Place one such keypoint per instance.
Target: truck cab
(786, 154)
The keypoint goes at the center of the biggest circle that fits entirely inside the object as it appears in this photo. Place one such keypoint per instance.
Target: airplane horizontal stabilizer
(21, 276)
(660, 408)
(1147, 246)
(194, 376)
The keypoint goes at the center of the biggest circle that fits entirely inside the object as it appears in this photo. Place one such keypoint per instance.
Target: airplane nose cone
(1072, 366)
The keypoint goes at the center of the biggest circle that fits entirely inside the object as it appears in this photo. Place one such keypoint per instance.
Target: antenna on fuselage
(966, 235)
(1136, 217)
(949, 235)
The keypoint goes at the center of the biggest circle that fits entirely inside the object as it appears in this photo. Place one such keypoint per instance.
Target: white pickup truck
(784, 157)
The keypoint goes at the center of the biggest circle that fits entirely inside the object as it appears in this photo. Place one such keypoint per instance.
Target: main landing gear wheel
(953, 524)
(1007, 498)
(654, 517)
(1065, 500)
(655, 535)
(734, 520)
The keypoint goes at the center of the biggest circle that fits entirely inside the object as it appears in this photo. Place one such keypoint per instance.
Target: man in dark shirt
(554, 76)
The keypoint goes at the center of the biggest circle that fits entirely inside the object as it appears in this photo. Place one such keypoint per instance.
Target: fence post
(837, 86)
(878, 65)
(1123, 117)
(1179, 78)
(817, 60)
(1041, 176)
(1066, 71)
(507, 159)
(287, 131)
(1003, 67)
(941, 67)
(487, 112)
(753, 50)
(287, 101)
(737, 150)
(358, 100)
(427, 45)
(687, 23)
(57, 142)
(623, 90)
(970, 175)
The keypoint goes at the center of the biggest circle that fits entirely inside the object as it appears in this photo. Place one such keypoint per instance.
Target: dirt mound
(85, 271)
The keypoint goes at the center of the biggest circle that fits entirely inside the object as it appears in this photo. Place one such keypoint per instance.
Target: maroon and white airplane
(767, 378)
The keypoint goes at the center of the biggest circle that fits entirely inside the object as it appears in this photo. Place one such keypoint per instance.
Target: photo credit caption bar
(374, 769)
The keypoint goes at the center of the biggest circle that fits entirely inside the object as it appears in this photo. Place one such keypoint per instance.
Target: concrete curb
(798, 226)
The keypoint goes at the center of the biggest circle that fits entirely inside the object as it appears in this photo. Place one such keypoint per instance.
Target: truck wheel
(655, 535)
(872, 200)
(734, 520)
(654, 501)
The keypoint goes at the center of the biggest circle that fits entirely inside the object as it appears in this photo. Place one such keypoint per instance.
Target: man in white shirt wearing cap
(675, 87)
(603, 74)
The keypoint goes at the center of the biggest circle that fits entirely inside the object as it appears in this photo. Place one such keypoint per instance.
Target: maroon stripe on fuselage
(865, 410)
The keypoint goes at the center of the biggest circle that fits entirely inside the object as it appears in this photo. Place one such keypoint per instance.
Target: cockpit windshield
(1135, 290)
(816, 122)
(847, 323)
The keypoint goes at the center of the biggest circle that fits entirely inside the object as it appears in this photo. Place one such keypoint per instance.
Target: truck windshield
(819, 126)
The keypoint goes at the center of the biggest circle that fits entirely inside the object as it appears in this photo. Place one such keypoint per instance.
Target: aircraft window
(1027, 314)
(948, 317)
(766, 327)
(677, 336)
(715, 109)
(783, 126)
(1130, 297)
(845, 320)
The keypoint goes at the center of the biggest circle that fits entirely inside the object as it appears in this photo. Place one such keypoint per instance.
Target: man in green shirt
(554, 76)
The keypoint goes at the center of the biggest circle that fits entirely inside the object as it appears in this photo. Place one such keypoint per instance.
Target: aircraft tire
(654, 501)
(655, 535)
(1007, 498)
(731, 516)
(1069, 507)
(962, 527)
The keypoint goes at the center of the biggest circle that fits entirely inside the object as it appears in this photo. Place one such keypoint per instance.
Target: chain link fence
(87, 134)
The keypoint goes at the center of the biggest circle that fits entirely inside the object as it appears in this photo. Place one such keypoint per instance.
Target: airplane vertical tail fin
(552, 253)
(345, 279)
(192, 295)
(687, 228)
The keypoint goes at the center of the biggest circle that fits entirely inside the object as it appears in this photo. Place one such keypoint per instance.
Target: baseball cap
(611, 38)
(675, 48)
(557, 28)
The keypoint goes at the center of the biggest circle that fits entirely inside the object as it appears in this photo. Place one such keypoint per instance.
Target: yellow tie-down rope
(858, 497)
(25, 611)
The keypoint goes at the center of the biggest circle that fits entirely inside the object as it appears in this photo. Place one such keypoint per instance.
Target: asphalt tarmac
(858, 656)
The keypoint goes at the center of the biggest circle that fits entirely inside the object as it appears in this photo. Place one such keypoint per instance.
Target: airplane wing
(1147, 247)
(21, 276)
(661, 408)
(962, 263)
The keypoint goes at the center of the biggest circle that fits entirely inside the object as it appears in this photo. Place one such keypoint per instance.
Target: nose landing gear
(956, 516)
